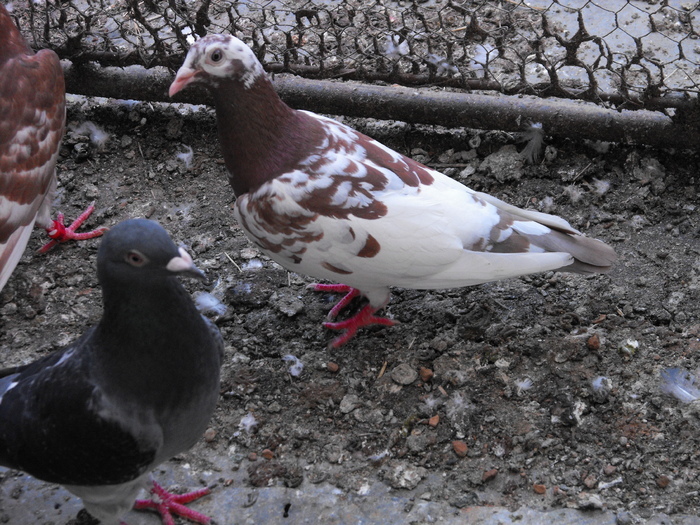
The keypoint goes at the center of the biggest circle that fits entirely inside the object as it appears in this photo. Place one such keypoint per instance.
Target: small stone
(539, 488)
(593, 342)
(489, 475)
(460, 448)
(433, 421)
(663, 481)
(405, 476)
(590, 481)
(349, 403)
(252, 456)
(332, 367)
(404, 374)
(426, 374)
(267, 454)
(609, 470)
(589, 501)
(209, 435)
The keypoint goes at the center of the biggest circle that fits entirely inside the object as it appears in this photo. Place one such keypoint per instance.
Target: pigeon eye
(216, 55)
(135, 258)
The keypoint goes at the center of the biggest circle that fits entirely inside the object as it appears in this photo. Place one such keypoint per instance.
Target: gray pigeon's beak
(184, 77)
(185, 266)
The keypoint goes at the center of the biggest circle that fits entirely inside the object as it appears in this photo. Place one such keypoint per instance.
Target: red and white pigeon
(32, 123)
(324, 200)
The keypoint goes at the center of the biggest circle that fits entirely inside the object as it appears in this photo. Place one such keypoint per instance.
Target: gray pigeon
(132, 392)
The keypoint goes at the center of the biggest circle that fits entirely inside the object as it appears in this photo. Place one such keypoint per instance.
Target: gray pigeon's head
(140, 249)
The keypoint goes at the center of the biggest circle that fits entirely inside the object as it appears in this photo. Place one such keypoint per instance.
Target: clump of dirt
(541, 391)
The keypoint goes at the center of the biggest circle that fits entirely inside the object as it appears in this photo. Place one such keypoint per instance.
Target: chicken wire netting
(627, 53)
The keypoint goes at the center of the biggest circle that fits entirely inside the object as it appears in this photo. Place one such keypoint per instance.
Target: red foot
(59, 232)
(166, 503)
(364, 317)
(350, 294)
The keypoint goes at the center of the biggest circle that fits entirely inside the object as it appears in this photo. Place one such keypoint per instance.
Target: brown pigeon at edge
(32, 121)
(322, 199)
(135, 390)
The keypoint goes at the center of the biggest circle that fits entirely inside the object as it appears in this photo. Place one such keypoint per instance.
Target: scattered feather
(457, 406)
(523, 385)
(296, 365)
(186, 156)
(97, 135)
(248, 422)
(574, 193)
(600, 187)
(206, 302)
(547, 204)
(375, 458)
(252, 264)
(396, 47)
(629, 347)
(681, 384)
(535, 139)
(601, 384)
(442, 65)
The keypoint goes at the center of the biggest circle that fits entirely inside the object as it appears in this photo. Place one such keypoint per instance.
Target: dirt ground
(542, 391)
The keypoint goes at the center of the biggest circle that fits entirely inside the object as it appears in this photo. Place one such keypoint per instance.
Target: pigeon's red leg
(349, 291)
(59, 232)
(168, 504)
(364, 317)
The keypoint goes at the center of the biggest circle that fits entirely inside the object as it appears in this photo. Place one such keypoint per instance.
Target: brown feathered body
(32, 122)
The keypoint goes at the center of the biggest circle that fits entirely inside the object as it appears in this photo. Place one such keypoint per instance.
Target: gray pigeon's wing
(50, 426)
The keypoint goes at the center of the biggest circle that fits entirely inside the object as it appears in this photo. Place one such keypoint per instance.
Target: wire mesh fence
(625, 53)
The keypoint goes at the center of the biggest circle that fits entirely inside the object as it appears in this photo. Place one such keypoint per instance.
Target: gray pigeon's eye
(216, 55)
(135, 258)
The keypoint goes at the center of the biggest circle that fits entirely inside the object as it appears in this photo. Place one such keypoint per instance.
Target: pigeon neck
(12, 42)
(260, 136)
(138, 322)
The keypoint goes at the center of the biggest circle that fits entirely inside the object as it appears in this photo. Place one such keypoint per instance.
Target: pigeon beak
(184, 77)
(184, 266)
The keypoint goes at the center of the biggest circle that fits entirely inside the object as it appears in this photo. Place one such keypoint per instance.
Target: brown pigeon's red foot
(167, 503)
(349, 291)
(59, 232)
(364, 317)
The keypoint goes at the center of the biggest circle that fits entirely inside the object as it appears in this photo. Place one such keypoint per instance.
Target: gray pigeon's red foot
(364, 317)
(167, 503)
(59, 232)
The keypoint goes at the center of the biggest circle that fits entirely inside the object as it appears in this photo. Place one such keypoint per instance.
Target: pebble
(590, 481)
(332, 367)
(349, 403)
(267, 454)
(593, 342)
(460, 448)
(433, 421)
(539, 488)
(489, 475)
(663, 481)
(404, 374)
(609, 470)
(404, 476)
(589, 501)
(209, 435)
(426, 374)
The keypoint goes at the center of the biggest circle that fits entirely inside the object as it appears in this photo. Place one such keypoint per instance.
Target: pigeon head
(215, 58)
(141, 250)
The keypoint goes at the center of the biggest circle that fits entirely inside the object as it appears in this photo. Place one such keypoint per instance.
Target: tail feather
(590, 255)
